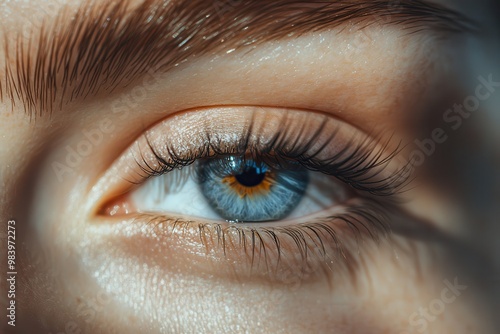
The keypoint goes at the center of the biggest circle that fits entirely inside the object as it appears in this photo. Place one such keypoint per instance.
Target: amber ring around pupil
(253, 180)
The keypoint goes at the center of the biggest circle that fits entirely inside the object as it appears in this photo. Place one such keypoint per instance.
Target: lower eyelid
(324, 248)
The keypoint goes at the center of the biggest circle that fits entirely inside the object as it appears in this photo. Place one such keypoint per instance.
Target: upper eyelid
(106, 53)
(359, 163)
(149, 156)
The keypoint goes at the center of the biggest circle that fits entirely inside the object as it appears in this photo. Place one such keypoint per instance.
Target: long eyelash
(308, 238)
(358, 164)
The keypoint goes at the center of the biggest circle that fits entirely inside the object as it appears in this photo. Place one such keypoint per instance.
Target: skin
(79, 273)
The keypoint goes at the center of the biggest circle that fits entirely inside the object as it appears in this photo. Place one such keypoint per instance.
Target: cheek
(127, 289)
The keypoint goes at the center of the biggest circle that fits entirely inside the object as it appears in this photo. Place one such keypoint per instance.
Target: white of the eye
(178, 193)
(175, 192)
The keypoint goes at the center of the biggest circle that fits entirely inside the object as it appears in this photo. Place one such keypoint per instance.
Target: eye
(289, 183)
(240, 189)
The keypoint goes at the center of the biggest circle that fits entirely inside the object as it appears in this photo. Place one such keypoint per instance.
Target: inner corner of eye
(117, 206)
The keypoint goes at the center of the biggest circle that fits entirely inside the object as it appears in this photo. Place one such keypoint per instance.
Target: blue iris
(241, 189)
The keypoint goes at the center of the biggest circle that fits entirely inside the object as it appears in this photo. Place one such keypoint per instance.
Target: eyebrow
(107, 45)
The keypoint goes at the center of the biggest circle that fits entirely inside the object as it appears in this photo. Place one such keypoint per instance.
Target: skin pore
(67, 152)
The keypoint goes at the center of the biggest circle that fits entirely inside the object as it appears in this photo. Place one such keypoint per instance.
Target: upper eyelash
(358, 164)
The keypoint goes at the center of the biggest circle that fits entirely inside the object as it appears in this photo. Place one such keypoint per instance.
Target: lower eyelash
(329, 244)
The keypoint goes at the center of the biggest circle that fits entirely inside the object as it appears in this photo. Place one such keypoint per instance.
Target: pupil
(251, 177)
